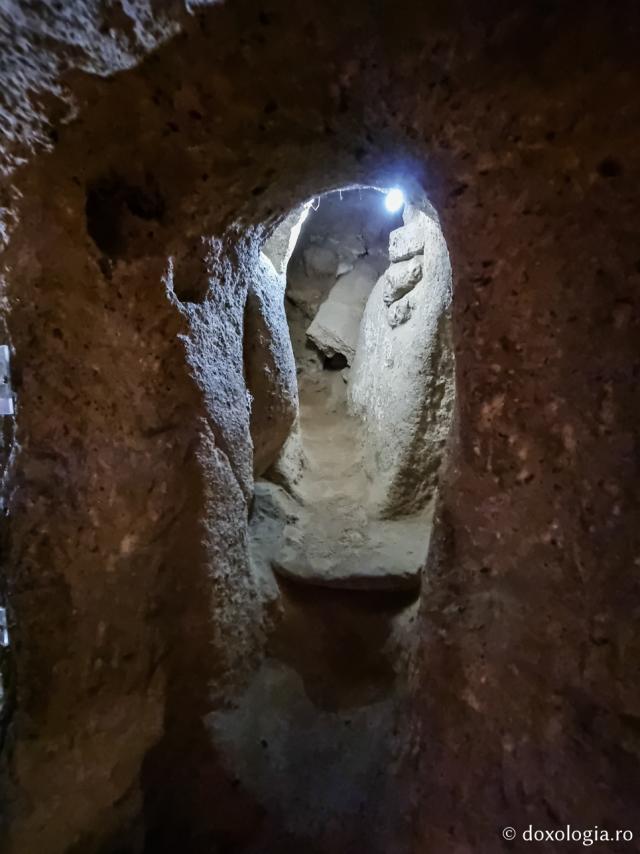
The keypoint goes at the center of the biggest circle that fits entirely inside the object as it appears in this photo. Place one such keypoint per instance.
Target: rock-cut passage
(349, 501)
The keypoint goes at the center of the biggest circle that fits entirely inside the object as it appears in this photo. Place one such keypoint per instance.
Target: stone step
(335, 544)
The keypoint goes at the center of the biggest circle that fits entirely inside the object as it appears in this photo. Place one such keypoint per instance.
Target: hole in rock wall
(348, 502)
(118, 212)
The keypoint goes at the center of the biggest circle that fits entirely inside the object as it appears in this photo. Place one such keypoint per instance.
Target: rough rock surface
(320, 261)
(270, 370)
(400, 311)
(328, 543)
(335, 327)
(407, 241)
(401, 278)
(157, 686)
(280, 245)
(401, 384)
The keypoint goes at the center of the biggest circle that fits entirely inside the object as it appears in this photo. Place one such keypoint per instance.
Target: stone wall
(270, 370)
(134, 617)
(402, 384)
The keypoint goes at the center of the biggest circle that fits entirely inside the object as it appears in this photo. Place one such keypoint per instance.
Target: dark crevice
(111, 203)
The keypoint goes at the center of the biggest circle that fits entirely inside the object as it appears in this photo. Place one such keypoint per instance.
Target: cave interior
(319, 403)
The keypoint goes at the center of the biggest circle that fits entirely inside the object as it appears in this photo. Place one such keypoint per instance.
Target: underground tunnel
(319, 401)
(348, 502)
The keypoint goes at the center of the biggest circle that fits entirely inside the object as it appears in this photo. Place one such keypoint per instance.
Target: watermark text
(585, 836)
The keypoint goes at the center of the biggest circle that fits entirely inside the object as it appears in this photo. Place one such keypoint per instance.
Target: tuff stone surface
(400, 311)
(335, 327)
(279, 246)
(320, 261)
(407, 241)
(141, 642)
(270, 370)
(401, 383)
(402, 278)
(340, 550)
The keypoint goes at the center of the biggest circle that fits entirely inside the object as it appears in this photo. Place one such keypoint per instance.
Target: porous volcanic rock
(162, 694)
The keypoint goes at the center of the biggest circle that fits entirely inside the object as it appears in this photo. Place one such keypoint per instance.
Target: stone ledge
(335, 546)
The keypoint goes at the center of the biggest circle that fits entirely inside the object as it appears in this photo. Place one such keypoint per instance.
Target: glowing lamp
(394, 200)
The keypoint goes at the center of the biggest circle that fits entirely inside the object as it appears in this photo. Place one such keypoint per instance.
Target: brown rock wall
(133, 611)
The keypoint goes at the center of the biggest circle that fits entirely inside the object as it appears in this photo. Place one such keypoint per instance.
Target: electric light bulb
(394, 200)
